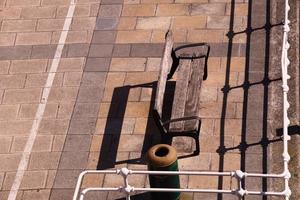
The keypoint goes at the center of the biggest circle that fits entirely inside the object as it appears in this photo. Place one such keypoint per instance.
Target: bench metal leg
(197, 133)
(196, 138)
(167, 139)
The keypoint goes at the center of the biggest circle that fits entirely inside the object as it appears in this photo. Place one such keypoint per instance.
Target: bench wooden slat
(165, 67)
(187, 94)
(193, 95)
(176, 111)
(180, 94)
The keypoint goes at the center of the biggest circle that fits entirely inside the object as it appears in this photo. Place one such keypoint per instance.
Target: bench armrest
(176, 62)
(181, 119)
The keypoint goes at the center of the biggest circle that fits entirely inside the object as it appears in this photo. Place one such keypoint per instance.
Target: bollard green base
(163, 158)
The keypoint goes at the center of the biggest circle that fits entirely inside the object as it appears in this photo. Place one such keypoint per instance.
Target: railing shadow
(292, 130)
(255, 93)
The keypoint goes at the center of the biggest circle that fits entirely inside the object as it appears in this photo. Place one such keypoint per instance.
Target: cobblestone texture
(98, 115)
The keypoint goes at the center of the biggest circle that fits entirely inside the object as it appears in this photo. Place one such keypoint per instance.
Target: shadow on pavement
(258, 77)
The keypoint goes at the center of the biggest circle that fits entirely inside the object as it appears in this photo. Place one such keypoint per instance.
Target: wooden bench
(190, 68)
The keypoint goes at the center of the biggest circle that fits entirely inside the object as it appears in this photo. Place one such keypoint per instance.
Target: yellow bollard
(163, 157)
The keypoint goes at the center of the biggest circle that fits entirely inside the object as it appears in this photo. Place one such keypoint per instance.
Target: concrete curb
(294, 98)
(295, 142)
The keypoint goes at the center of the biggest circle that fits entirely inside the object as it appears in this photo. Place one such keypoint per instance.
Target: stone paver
(98, 114)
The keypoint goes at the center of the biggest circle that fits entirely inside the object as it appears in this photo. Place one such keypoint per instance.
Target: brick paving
(98, 115)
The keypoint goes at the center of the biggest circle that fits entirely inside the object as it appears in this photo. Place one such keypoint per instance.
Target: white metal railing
(128, 190)
(285, 62)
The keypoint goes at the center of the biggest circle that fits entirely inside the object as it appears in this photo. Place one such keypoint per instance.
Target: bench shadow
(115, 121)
(258, 36)
(114, 124)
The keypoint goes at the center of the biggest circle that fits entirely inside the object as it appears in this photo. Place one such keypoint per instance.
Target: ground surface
(97, 117)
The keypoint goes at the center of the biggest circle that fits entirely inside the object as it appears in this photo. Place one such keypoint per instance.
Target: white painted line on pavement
(41, 108)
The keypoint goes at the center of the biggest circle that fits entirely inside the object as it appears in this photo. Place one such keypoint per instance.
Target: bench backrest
(165, 66)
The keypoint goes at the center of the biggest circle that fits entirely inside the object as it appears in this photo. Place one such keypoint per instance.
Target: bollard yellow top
(161, 155)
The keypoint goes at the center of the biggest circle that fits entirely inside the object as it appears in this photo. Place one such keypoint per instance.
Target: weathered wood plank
(180, 95)
(165, 67)
(192, 105)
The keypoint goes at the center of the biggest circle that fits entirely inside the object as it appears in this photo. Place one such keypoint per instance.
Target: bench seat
(186, 101)
(190, 66)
